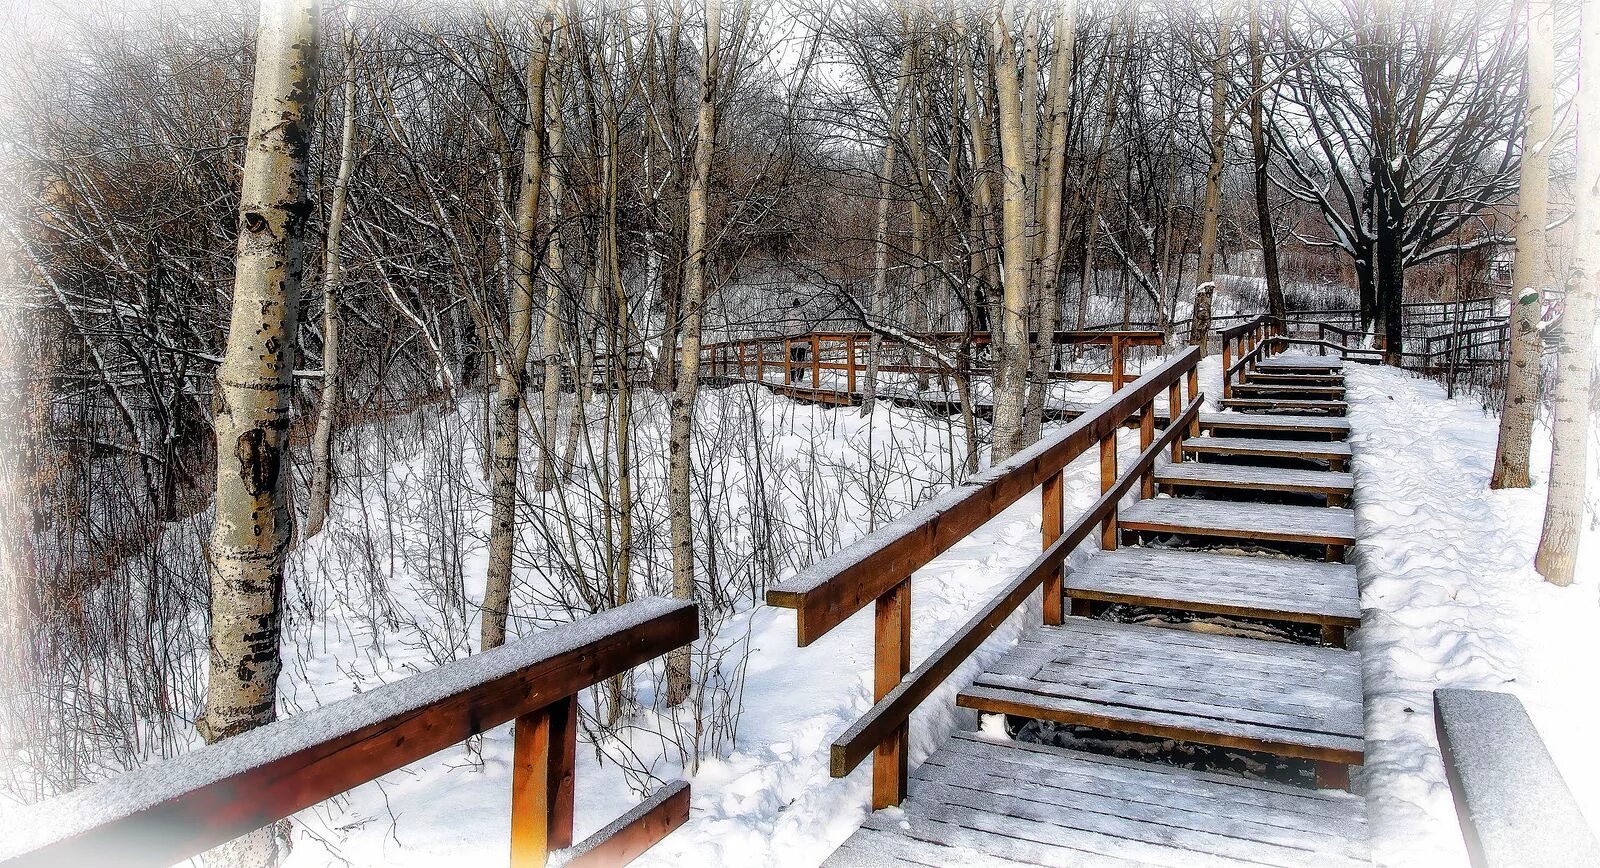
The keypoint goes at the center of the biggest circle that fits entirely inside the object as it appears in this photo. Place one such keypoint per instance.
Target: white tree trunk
(550, 333)
(1574, 391)
(1053, 193)
(1529, 273)
(1011, 368)
(1205, 287)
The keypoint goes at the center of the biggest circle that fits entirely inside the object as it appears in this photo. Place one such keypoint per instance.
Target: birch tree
(511, 372)
(1011, 365)
(332, 280)
(1054, 190)
(1205, 285)
(254, 518)
(1574, 391)
(680, 435)
(1528, 273)
(880, 236)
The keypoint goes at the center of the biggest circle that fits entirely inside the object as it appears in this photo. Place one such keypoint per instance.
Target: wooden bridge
(1240, 514)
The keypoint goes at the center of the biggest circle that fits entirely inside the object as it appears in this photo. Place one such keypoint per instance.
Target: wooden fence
(878, 569)
(173, 810)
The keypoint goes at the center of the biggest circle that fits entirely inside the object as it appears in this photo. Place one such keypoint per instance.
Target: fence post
(788, 362)
(850, 365)
(1108, 479)
(816, 361)
(1147, 435)
(1054, 520)
(1194, 392)
(1174, 403)
(761, 361)
(544, 755)
(1117, 371)
(891, 659)
(1227, 361)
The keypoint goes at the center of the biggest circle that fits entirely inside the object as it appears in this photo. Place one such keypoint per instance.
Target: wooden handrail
(878, 569)
(892, 712)
(172, 810)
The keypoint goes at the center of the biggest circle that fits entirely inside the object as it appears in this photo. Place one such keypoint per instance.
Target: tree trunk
(550, 333)
(513, 365)
(680, 437)
(1011, 366)
(880, 238)
(332, 280)
(1205, 286)
(1258, 150)
(254, 517)
(1054, 190)
(1574, 391)
(1529, 271)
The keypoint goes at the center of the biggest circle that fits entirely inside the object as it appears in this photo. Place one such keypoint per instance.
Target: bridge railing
(878, 569)
(1243, 345)
(175, 809)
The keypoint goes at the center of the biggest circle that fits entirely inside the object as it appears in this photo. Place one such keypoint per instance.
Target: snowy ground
(1450, 598)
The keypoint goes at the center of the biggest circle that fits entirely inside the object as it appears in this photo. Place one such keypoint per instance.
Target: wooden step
(1322, 450)
(1288, 700)
(1289, 377)
(1300, 362)
(1330, 425)
(1298, 390)
(991, 803)
(1284, 405)
(1198, 474)
(1243, 521)
(1235, 585)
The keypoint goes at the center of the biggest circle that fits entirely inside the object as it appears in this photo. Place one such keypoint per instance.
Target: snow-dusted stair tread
(1197, 474)
(1284, 404)
(1319, 391)
(1295, 361)
(1290, 700)
(1318, 449)
(1333, 425)
(1291, 377)
(1254, 521)
(981, 803)
(1249, 587)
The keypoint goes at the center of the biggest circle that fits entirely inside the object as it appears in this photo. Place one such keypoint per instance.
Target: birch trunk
(680, 435)
(1574, 391)
(1011, 368)
(332, 281)
(1205, 287)
(254, 518)
(880, 242)
(550, 333)
(1054, 189)
(1528, 273)
(512, 372)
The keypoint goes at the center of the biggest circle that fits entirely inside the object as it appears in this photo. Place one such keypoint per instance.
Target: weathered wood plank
(1284, 405)
(1290, 590)
(1315, 449)
(1197, 474)
(628, 836)
(1250, 521)
(1256, 422)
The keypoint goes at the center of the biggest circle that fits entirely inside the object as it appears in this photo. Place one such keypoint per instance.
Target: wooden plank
(1316, 449)
(1197, 474)
(891, 661)
(1332, 425)
(1251, 587)
(167, 811)
(630, 835)
(1284, 405)
(1251, 521)
(1291, 390)
(543, 762)
(1294, 361)
(1514, 807)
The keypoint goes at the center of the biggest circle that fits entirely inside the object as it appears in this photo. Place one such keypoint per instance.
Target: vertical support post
(544, 756)
(742, 374)
(788, 361)
(1174, 408)
(891, 661)
(1147, 435)
(1117, 371)
(1194, 392)
(1054, 521)
(1227, 362)
(1108, 479)
(816, 361)
(850, 365)
(761, 361)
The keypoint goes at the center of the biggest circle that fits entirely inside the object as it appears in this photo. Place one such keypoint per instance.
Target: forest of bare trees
(503, 235)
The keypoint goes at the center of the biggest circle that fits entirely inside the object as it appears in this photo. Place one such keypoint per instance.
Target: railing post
(1147, 435)
(850, 366)
(1227, 362)
(788, 362)
(1174, 405)
(761, 361)
(1053, 522)
(544, 756)
(1108, 479)
(1118, 373)
(1194, 392)
(816, 361)
(891, 660)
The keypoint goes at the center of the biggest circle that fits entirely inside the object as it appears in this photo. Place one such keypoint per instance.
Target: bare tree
(1259, 157)
(1205, 286)
(1011, 366)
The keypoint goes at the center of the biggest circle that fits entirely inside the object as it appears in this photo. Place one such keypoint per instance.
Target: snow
(1451, 600)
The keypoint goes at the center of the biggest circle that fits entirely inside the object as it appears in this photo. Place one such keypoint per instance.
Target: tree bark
(680, 435)
(1054, 191)
(1011, 367)
(1263, 186)
(332, 281)
(1205, 286)
(512, 372)
(1574, 390)
(1529, 272)
(254, 517)
(880, 237)
(550, 332)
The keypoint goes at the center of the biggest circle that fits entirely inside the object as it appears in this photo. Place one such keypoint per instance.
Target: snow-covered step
(1299, 361)
(1292, 377)
(981, 802)
(1289, 700)
(1255, 422)
(1284, 405)
(1234, 585)
(1321, 450)
(1297, 390)
(1241, 521)
(1195, 474)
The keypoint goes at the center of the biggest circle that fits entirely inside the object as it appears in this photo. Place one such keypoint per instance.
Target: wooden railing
(1243, 345)
(877, 570)
(803, 358)
(172, 810)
